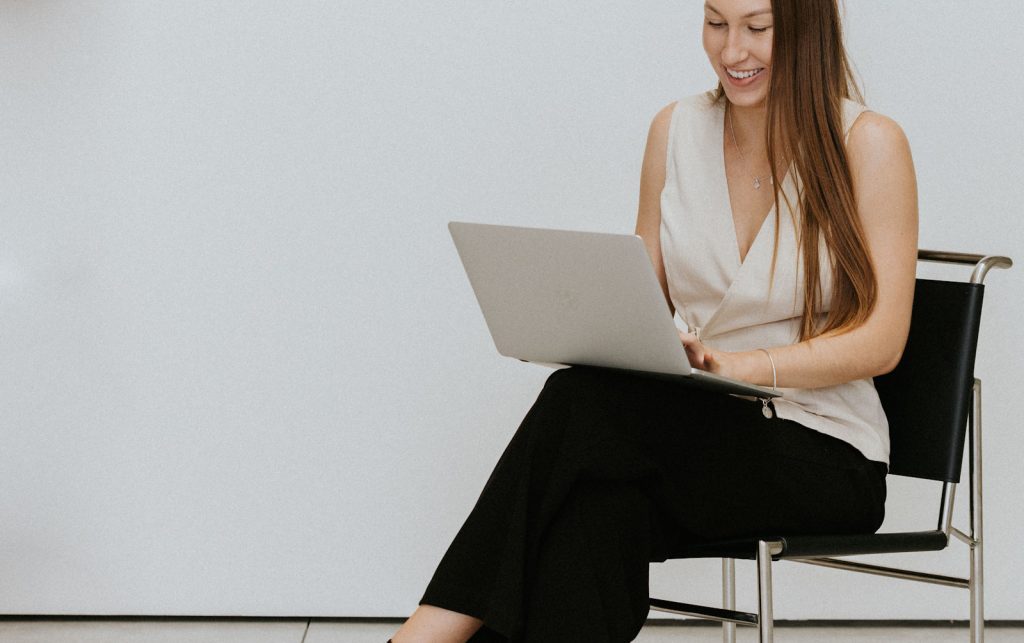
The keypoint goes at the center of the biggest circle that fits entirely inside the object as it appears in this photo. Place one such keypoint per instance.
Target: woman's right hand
(696, 352)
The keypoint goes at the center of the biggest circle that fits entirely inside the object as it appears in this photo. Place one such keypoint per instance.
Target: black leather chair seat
(815, 546)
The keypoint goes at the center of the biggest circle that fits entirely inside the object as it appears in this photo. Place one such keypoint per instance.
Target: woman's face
(738, 40)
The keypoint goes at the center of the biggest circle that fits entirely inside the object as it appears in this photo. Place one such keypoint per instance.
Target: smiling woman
(807, 285)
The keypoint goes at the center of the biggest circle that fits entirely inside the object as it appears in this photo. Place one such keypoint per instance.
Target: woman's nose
(735, 50)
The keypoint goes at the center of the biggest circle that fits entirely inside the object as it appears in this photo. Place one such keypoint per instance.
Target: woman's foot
(430, 624)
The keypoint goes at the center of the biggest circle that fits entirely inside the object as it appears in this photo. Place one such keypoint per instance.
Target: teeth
(743, 74)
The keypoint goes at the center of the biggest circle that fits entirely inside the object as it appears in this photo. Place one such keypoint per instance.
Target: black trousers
(607, 473)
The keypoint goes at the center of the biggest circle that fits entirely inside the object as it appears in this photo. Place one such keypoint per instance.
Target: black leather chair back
(927, 397)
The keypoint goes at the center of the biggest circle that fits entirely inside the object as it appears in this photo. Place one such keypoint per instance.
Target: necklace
(757, 179)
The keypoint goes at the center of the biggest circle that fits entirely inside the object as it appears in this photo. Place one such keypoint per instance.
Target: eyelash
(722, 24)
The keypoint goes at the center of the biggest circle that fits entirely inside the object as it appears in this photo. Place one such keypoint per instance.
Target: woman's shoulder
(882, 168)
(873, 134)
(688, 105)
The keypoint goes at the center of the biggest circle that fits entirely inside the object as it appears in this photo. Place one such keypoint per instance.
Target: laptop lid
(572, 297)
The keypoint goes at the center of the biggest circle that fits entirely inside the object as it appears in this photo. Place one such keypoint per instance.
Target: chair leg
(729, 597)
(977, 579)
(977, 596)
(764, 592)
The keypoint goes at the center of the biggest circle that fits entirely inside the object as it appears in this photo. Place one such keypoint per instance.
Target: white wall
(241, 370)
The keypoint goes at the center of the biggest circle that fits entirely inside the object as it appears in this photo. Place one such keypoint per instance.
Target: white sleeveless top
(727, 302)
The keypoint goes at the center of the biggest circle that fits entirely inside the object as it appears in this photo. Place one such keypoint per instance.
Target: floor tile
(157, 631)
(334, 632)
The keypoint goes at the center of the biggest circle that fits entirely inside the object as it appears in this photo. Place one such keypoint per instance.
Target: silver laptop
(559, 297)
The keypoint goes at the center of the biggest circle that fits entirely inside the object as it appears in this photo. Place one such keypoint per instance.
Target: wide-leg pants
(607, 473)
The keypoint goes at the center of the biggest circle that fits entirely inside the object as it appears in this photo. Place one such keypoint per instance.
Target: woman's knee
(583, 382)
(565, 378)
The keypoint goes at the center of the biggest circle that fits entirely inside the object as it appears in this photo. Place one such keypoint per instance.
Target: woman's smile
(743, 78)
(745, 73)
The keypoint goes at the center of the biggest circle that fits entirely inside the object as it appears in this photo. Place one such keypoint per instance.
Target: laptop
(564, 298)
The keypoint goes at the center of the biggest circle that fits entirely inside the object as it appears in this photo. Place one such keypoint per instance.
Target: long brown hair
(810, 77)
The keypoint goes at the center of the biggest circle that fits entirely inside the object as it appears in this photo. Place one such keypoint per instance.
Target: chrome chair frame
(767, 550)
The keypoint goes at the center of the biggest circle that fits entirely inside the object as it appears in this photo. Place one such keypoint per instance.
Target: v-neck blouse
(730, 303)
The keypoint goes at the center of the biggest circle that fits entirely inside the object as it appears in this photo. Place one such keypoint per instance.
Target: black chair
(930, 399)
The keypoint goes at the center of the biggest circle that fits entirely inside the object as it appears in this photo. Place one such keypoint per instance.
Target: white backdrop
(241, 370)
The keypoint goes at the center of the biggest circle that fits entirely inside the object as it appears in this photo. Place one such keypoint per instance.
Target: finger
(695, 355)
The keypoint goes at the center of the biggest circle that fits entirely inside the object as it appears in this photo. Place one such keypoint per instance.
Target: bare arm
(652, 181)
(885, 188)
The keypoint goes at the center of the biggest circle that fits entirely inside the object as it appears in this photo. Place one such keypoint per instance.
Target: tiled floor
(298, 631)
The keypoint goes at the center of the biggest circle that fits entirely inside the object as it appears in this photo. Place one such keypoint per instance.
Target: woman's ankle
(437, 625)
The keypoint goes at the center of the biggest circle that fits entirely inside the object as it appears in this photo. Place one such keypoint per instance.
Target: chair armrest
(982, 263)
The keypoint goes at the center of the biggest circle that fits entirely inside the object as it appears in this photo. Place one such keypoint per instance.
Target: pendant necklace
(757, 179)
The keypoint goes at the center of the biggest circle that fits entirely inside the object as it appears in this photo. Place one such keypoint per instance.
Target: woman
(781, 219)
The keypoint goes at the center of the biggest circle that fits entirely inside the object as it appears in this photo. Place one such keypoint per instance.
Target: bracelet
(770, 359)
